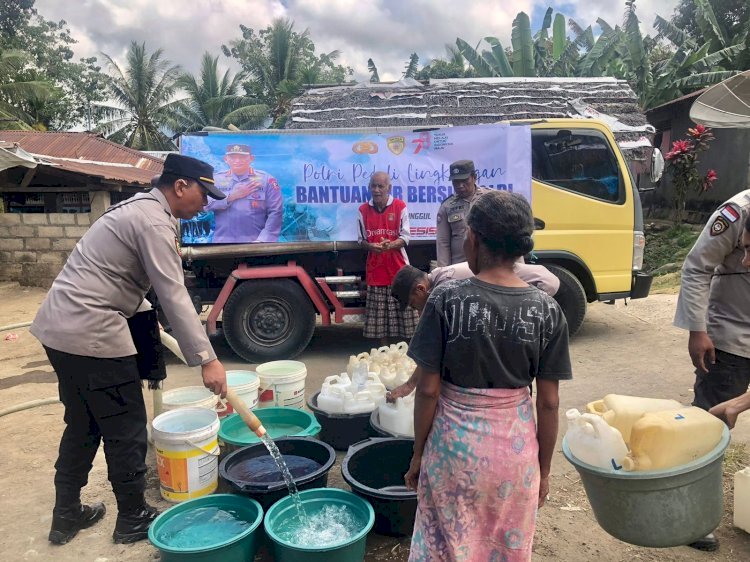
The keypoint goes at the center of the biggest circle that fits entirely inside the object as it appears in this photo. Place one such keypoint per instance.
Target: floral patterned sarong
(479, 480)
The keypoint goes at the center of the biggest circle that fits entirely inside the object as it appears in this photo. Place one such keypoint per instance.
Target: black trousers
(728, 378)
(103, 400)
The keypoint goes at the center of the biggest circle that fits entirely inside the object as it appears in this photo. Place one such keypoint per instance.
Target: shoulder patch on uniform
(719, 225)
(274, 184)
(454, 217)
(729, 213)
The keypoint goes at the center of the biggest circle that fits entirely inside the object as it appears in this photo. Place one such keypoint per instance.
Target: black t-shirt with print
(480, 335)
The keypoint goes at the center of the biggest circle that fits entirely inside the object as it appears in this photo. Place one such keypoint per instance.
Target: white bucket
(187, 453)
(245, 384)
(189, 397)
(282, 383)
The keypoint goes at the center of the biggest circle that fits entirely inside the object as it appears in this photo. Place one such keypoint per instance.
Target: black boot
(132, 524)
(65, 527)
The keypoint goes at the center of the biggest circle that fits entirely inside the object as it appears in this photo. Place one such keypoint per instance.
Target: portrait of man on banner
(253, 209)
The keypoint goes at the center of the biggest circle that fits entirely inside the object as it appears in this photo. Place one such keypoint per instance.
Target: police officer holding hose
(102, 338)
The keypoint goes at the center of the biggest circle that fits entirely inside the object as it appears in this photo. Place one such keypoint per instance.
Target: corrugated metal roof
(88, 154)
(86, 146)
(124, 174)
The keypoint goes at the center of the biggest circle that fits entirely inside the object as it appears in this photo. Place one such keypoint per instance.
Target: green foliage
(412, 66)
(144, 112)
(77, 85)
(17, 95)
(523, 46)
(668, 246)
(682, 166)
(374, 76)
(214, 100)
(278, 61)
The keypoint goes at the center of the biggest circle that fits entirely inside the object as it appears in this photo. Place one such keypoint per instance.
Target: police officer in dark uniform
(101, 337)
(451, 218)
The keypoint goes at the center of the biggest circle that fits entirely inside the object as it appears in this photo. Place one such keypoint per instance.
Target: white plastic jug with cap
(670, 438)
(593, 441)
(399, 417)
(333, 393)
(623, 411)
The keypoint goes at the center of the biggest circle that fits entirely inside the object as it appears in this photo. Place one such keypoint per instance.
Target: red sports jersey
(391, 224)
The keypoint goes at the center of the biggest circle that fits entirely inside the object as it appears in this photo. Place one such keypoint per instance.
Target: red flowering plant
(682, 164)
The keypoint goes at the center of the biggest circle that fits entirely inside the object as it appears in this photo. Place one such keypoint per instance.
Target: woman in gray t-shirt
(481, 465)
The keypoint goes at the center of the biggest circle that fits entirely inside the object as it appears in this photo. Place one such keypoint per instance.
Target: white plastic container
(334, 394)
(282, 383)
(593, 441)
(245, 384)
(189, 397)
(670, 438)
(742, 499)
(187, 453)
(622, 411)
(340, 395)
(399, 417)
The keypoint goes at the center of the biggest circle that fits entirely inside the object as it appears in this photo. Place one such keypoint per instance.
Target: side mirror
(657, 165)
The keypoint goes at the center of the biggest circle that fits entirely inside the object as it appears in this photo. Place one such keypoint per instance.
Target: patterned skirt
(479, 481)
(384, 317)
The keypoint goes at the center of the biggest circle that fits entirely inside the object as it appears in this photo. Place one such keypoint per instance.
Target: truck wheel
(267, 320)
(571, 297)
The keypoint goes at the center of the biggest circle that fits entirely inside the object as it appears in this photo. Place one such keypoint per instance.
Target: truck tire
(571, 297)
(268, 319)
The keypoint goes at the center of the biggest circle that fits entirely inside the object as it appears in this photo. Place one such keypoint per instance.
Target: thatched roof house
(410, 103)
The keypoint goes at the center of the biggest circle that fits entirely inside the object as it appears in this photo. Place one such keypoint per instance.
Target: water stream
(288, 480)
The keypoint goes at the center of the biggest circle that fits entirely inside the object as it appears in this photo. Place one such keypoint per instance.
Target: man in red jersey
(384, 233)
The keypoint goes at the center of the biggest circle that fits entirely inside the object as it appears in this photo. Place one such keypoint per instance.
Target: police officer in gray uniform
(713, 306)
(253, 209)
(86, 324)
(451, 217)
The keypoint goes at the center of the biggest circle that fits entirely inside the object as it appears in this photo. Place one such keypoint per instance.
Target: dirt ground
(629, 349)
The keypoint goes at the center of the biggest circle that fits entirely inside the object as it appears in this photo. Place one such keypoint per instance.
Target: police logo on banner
(396, 145)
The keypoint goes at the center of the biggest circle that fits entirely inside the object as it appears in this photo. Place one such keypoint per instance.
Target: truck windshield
(578, 160)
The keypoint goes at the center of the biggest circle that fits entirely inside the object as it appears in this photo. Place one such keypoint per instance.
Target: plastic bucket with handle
(192, 397)
(282, 383)
(187, 453)
(245, 384)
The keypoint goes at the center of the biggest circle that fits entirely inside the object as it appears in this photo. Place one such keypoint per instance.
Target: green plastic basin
(278, 421)
(240, 548)
(349, 550)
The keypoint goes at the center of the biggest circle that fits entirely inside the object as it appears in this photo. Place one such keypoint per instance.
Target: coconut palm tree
(215, 101)
(144, 112)
(19, 95)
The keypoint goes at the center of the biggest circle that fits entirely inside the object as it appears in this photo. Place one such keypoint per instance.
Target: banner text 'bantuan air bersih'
(308, 187)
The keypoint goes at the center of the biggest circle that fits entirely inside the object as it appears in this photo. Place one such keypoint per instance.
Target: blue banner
(301, 187)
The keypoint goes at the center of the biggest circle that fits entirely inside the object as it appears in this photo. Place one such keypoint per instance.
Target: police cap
(238, 149)
(194, 169)
(462, 169)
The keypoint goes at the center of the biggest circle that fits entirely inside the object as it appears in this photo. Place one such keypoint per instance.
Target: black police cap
(194, 169)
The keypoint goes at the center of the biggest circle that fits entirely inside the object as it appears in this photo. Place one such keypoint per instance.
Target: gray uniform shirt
(715, 289)
(536, 275)
(451, 227)
(127, 250)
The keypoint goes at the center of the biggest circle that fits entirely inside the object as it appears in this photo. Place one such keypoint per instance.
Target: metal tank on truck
(280, 254)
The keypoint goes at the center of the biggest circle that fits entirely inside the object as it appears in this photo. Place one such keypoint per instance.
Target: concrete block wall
(35, 246)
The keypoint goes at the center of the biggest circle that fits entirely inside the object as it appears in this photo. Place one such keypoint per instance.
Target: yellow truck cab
(588, 213)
